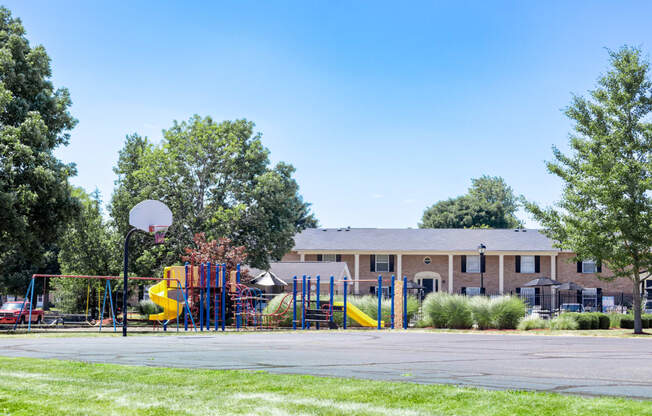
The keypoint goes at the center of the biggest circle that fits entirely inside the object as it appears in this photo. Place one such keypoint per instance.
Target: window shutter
(320, 257)
(537, 296)
(391, 263)
(464, 290)
(599, 267)
(537, 264)
(372, 263)
(482, 261)
(579, 267)
(338, 257)
(464, 266)
(517, 263)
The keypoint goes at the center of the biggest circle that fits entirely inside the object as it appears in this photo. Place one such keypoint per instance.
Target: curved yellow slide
(357, 315)
(159, 295)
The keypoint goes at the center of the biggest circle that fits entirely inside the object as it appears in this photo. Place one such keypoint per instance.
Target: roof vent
(324, 230)
(524, 230)
(348, 228)
(339, 229)
(516, 230)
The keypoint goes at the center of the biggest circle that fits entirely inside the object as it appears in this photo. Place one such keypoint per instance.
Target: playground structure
(210, 297)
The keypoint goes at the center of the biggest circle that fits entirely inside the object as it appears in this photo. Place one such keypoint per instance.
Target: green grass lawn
(50, 387)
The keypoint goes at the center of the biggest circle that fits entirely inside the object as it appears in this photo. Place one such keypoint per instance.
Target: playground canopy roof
(286, 270)
(267, 279)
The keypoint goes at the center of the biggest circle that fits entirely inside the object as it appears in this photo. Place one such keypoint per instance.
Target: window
(473, 264)
(527, 264)
(426, 260)
(329, 257)
(588, 266)
(382, 262)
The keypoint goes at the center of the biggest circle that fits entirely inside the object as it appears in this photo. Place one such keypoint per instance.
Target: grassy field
(49, 387)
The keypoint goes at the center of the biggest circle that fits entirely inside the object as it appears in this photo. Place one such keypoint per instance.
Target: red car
(10, 312)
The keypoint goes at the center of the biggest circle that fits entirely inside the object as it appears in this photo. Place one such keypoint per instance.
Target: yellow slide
(159, 295)
(359, 316)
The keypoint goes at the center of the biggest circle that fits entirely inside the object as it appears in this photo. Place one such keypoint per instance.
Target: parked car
(10, 312)
(572, 307)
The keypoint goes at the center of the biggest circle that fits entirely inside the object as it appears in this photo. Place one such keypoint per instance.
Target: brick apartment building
(448, 259)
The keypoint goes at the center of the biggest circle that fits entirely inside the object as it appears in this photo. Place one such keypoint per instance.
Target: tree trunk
(636, 305)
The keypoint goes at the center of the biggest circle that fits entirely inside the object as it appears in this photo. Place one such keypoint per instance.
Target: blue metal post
(185, 315)
(405, 322)
(294, 303)
(330, 307)
(346, 288)
(239, 293)
(392, 300)
(223, 300)
(208, 297)
(317, 299)
(380, 298)
(22, 307)
(303, 302)
(31, 305)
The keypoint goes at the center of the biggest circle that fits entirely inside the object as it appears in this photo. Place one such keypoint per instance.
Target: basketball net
(159, 233)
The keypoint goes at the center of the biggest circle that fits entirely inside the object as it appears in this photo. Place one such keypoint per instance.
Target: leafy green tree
(89, 246)
(216, 179)
(35, 199)
(605, 213)
(490, 203)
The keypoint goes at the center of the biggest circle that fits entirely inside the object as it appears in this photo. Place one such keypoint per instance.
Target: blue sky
(383, 107)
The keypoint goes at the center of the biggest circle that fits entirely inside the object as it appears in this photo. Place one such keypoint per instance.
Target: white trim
(302, 257)
(356, 266)
(501, 274)
(399, 265)
(553, 268)
(450, 273)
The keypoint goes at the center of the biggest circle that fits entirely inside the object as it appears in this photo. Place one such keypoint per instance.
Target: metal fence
(571, 301)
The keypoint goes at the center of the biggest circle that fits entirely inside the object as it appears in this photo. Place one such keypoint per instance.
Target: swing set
(112, 315)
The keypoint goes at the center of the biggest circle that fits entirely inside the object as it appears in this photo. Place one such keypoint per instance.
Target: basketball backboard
(150, 213)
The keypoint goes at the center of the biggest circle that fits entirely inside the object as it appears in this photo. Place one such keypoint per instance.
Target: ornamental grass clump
(481, 308)
(434, 309)
(564, 322)
(532, 322)
(459, 312)
(507, 311)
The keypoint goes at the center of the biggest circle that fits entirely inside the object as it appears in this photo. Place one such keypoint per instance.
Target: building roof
(286, 270)
(389, 240)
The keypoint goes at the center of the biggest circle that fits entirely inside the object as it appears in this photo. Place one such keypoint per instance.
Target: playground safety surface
(577, 365)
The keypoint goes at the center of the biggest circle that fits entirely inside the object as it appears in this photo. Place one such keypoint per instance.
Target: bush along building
(514, 261)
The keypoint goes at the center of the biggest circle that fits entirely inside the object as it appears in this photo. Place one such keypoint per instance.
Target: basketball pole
(125, 290)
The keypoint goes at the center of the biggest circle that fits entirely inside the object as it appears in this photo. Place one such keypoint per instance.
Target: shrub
(532, 322)
(595, 320)
(433, 309)
(645, 321)
(604, 321)
(481, 308)
(584, 321)
(564, 322)
(627, 322)
(507, 311)
(147, 307)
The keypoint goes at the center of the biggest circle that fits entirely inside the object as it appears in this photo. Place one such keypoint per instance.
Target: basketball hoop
(159, 233)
